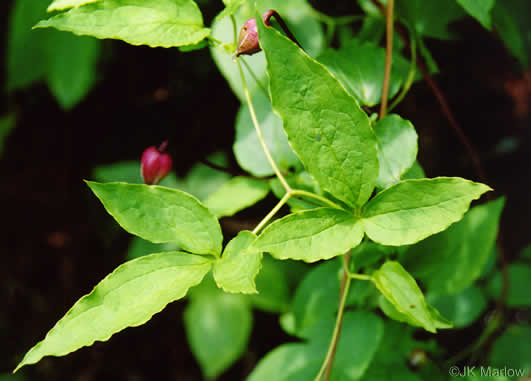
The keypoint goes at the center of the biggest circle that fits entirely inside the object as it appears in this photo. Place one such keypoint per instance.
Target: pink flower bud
(155, 164)
(248, 40)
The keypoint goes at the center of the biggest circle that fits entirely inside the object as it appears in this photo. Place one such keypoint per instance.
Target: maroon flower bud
(155, 164)
(248, 40)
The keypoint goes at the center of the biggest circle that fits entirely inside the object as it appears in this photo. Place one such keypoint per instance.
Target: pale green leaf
(218, 328)
(238, 267)
(7, 123)
(397, 148)
(403, 293)
(451, 261)
(479, 9)
(128, 297)
(59, 5)
(325, 126)
(231, 7)
(412, 210)
(311, 235)
(161, 214)
(236, 194)
(296, 13)
(430, 18)
(248, 149)
(164, 23)
(359, 66)
(463, 308)
(512, 350)
(519, 276)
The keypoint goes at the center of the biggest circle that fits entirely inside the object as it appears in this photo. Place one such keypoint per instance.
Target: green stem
(411, 75)
(360, 276)
(327, 363)
(273, 211)
(259, 131)
(388, 56)
(300, 192)
(260, 85)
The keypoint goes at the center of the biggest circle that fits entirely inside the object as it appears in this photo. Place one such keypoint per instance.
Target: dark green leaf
(511, 21)
(451, 261)
(403, 293)
(359, 66)
(311, 235)
(512, 350)
(140, 247)
(163, 23)
(519, 277)
(325, 126)
(128, 297)
(411, 210)
(161, 214)
(415, 172)
(218, 328)
(463, 308)
(7, 123)
(430, 18)
(238, 267)
(480, 10)
(397, 148)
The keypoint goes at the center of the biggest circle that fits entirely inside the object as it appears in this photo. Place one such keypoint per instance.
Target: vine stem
(300, 192)
(326, 368)
(259, 131)
(273, 211)
(388, 56)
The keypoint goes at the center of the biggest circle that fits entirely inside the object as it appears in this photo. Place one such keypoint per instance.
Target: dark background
(57, 241)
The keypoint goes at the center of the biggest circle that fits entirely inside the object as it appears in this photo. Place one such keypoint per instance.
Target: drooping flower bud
(248, 39)
(155, 164)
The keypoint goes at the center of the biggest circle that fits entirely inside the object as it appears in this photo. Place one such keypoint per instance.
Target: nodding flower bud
(155, 164)
(248, 40)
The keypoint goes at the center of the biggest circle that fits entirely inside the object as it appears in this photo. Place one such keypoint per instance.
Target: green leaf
(430, 18)
(248, 149)
(273, 284)
(311, 235)
(511, 21)
(462, 308)
(479, 9)
(397, 148)
(403, 293)
(412, 210)
(288, 362)
(451, 261)
(218, 328)
(360, 337)
(59, 5)
(238, 267)
(359, 66)
(525, 253)
(7, 123)
(518, 296)
(324, 124)
(128, 297)
(231, 7)
(513, 350)
(236, 194)
(67, 63)
(415, 172)
(298, 16)
(164, 23)
(140, 247)
(317, 296)
(161, 214)
(71, 66)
